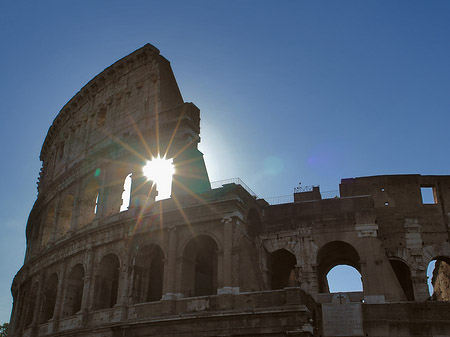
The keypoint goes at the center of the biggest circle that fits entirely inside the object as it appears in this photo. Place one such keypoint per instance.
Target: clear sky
(289, 91)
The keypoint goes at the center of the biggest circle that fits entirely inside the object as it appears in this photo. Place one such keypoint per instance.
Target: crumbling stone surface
(441, 281)
(211, 262)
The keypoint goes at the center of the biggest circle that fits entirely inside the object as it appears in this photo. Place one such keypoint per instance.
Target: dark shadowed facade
(212, 261)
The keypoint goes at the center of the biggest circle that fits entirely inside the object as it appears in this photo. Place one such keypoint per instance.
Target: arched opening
(20, 317)
(65, 215)
(126, 194)
(48, 224)
(49, 298)
(438, 273)
(160, 171)
(148, 275)
(254, 225)
(403, 274)
(282, 267)
(200, 267)
(344, 278)
(31, 304)
(74, 291)
(106, 282)
(335, 253)
(89, 201)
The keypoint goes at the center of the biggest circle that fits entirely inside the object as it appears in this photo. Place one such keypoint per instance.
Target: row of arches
(75, 209)
(339, 270)
(38, 301)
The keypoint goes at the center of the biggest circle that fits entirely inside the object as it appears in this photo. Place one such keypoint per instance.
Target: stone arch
(148, 274)
(106, 282)
(441, 279)
(200, 266)
(48, 224)
(31, 303)
(282, 268)
(118, 174)
(49, 298)
(89, 200)
(254, 223)
(126, 192)
(65, 212)
(22, 297)
(74, 291)
(403, 274)
(332, 254)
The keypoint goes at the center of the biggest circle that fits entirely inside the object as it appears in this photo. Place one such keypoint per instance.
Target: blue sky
(289, 91)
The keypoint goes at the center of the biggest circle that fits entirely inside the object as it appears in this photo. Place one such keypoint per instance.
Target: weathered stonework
(212, 262)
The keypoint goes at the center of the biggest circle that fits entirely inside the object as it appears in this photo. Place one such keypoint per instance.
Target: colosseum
(114, 249)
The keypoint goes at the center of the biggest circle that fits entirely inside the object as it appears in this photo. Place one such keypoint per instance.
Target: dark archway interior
(205, 267)
(200, 266)
(148, 275)
(74, 291)
(107, 282)
(403, 274)
(282, 265)
(49, 298)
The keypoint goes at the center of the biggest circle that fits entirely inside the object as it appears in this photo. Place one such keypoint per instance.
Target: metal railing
(237, 181)
(282, 199)
(287, 199)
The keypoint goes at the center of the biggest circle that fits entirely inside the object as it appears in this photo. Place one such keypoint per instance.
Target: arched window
(74, 291)
(282, 267)
(48, 224)
(126, 194)
(335, 253)
(106, 282)
(200, 266)
(403, 274)
(89, 201)
(438, 273)
(344, 278)
(148, 275)
(49, 298)
(31, 304)
(64, 215)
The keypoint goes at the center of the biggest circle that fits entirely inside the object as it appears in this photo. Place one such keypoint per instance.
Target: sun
(160, 171)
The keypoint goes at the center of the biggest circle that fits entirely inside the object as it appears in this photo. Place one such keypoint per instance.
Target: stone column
(55, 219)
(122, 298)
(227, 265)
(169, 290)
(122, 291)
(371, 272)
(87, 300)
(59, 299)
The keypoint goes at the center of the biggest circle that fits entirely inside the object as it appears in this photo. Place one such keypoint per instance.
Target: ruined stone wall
(211, 261)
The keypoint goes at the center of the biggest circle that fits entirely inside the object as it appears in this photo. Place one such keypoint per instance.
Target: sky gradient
(289, 91)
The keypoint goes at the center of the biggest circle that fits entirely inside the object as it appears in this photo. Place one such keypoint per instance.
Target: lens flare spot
(273, 166)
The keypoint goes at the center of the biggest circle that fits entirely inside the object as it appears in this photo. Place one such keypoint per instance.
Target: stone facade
(212, 261)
